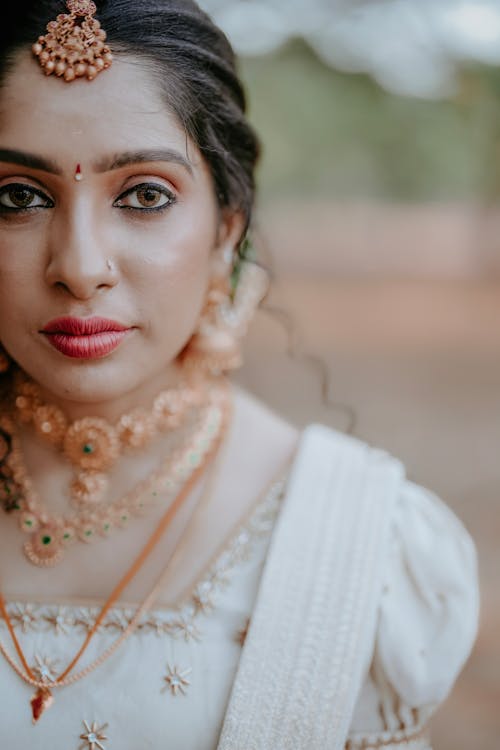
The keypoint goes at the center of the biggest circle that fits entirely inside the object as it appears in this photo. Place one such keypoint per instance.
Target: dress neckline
(31, 614)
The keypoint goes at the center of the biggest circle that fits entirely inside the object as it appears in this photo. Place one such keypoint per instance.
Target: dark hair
(194, 63)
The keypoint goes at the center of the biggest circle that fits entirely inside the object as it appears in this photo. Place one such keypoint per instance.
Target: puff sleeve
(427, 622)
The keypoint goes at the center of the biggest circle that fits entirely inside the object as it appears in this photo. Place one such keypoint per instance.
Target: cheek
(19, 283)
(176, 286)
(22, 250)
(170, 282)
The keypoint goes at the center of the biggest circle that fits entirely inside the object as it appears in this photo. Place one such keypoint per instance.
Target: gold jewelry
(91, 444)
(74, 45)
(43, 698)
(50, 535)
(215, 346)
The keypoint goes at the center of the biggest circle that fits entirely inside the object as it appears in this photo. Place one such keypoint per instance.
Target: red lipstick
(85, 338)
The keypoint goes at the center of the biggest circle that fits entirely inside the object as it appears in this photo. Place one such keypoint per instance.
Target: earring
(4, 360)
(215, 346)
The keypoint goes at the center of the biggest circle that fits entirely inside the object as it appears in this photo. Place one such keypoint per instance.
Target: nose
(79, 255)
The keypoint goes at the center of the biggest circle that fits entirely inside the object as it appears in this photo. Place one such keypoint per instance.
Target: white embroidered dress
(169, 685)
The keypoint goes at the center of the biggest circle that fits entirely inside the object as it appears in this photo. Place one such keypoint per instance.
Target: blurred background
(379, 213)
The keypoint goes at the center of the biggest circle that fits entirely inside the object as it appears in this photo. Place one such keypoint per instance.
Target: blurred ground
(418, 359)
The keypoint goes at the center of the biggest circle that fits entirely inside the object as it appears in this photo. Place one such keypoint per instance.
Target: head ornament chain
(74, 45)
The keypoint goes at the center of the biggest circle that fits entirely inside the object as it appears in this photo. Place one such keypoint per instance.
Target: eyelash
(154, 187)
(11, 187)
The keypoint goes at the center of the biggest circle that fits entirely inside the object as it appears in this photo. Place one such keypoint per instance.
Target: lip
(85, 338)
(83, 326)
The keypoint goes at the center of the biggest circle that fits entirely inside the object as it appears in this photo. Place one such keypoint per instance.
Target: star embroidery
(93, 736)
(60, 620)
(188, 630)
(45, 669)
(25, 617)
(243, 539)
(203, 597)
(86, 619)
(176, 680)
(118, 620)
(157, 624)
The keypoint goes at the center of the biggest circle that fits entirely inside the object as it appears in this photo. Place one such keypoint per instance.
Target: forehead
(121, 109)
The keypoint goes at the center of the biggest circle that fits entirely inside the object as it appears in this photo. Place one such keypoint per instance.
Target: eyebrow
(29, 160)
(138, 157)
(107, 164)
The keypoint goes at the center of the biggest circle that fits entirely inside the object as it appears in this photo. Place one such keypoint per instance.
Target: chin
(84, 381)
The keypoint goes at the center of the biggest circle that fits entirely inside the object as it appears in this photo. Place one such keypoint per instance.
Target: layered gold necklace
(179, 479)
(92, 446)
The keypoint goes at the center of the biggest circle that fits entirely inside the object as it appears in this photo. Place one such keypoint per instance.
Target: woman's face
(133, 241)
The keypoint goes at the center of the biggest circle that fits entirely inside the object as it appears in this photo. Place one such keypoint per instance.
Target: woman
(180, 567)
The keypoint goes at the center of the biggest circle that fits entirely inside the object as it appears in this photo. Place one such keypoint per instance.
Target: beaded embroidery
(399, 741)
(93, 735)
(177, 622)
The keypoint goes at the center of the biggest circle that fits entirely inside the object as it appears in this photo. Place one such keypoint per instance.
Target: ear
(230, 231)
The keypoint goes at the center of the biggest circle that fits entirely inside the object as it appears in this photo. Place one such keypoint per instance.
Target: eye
(146, 197)
(19, 197)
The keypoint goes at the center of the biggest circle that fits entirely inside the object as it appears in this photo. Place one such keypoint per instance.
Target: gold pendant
(44, 548)
(41, 700)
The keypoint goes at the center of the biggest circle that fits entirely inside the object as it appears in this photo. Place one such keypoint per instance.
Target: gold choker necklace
(43, 698)
(91, 444)
(86, 443)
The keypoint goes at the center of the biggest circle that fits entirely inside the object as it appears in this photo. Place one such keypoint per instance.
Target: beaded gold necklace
(92, 445)
(43, 698)
(49, 535)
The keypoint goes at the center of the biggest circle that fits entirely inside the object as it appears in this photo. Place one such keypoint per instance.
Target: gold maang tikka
(74, 45)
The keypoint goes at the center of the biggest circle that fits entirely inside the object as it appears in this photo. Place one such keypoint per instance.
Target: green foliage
(245, 252)
(327, 133)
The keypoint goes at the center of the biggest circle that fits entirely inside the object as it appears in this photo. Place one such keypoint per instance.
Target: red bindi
(78, 173)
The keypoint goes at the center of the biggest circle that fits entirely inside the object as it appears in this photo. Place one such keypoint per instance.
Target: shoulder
(336, 446)
(429, 605)
(346, 466)
(427, 612)
(430, 600)
(429, 596)
(423, 584)
(426, 626)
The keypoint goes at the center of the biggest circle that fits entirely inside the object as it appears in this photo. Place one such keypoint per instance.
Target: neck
(112, 408)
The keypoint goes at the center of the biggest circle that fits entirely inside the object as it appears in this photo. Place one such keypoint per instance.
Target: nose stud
(109, 265)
